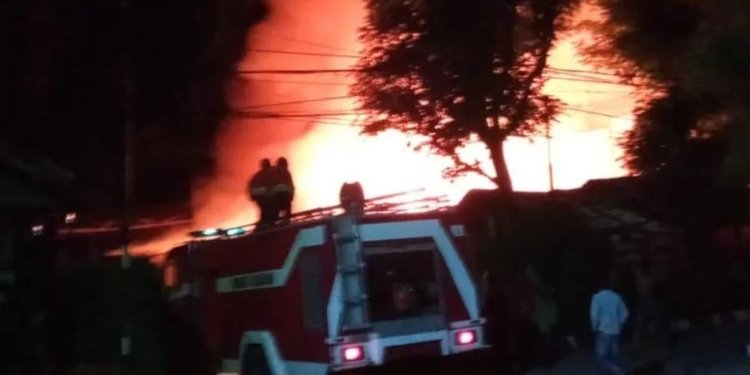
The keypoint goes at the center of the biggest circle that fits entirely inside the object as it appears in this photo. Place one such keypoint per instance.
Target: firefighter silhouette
(282, 190)
(260, 190)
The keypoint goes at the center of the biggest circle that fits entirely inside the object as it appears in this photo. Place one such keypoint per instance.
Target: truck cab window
(402, 281)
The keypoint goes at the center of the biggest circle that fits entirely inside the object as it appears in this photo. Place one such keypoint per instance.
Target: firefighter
(259, 188)
(282, 190)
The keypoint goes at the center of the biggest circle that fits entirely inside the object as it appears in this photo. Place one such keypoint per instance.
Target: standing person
(608, 314)
(259, 189)
(282, 190)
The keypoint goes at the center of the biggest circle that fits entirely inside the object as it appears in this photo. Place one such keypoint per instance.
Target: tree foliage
(692, 78)
(459, 72)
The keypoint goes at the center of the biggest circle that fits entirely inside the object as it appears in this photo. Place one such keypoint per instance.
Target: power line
(338, 115)
(267, 115)
(581, 71)
(319, 83)
(335, 118)
(249, 113)
(596, 81)
(575, 72)
(357, 56)
(299, 71)
(350, 124)
(311, 121)
(326, 115)
(280, 52)
(584, 91)
(346, 71)
(306, 42)
(580, 75)
(596, 113)
(584, 76)
(340, 84)
(329, 98)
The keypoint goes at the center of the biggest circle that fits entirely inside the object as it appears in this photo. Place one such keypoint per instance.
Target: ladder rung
(356, 300)
(347, 239)
(351, 329)
(352, 269)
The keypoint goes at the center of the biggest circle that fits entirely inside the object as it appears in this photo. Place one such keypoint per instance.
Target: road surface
(705, 350)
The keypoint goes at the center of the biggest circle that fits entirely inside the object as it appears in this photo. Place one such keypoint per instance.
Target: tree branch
(536, 72)
(461, 167)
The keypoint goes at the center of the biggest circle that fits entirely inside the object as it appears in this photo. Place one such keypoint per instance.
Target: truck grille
(422, 349)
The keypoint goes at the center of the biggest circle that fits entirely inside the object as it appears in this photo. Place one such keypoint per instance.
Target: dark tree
(459, 72)
(691, 134)
(691, 75)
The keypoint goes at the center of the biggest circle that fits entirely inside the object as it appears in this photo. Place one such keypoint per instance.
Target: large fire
(326, 152)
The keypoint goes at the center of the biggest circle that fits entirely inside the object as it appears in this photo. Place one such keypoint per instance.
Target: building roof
(600, 204)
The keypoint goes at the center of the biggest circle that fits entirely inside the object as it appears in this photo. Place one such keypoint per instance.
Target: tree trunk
(501, 168)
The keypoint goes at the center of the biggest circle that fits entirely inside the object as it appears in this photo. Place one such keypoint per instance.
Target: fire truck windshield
(402, 280)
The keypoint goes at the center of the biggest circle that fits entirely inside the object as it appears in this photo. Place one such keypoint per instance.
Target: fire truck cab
(330, 293)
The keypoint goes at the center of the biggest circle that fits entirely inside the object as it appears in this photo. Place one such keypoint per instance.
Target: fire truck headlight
(208, 232)
(353, 353)
(466, 337)
(235, 231)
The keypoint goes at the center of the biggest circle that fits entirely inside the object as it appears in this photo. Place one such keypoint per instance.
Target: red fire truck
(331, 290)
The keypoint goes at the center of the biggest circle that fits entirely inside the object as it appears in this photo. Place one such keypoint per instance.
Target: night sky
(62, 94)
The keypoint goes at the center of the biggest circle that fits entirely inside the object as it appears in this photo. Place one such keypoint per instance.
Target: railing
(390, 204)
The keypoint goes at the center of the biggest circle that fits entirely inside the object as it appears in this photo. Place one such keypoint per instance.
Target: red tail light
(466, 337)
(353, 353)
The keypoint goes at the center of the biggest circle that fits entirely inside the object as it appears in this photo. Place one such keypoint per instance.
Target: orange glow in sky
(325, 153)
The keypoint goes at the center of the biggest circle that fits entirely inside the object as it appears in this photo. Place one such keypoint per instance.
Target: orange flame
(324, 153)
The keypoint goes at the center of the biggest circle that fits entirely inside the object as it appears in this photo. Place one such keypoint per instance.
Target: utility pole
(127, 189)
(549, 158)
(128, 130)
(127, 122)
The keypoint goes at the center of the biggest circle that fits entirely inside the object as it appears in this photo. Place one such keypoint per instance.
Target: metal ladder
(351, 268)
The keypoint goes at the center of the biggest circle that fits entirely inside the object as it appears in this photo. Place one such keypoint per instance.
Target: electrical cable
(303, 101)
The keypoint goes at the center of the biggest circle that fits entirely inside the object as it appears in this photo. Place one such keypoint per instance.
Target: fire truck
(331, 290)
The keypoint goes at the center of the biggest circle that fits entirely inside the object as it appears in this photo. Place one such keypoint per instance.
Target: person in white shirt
(608, 314)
